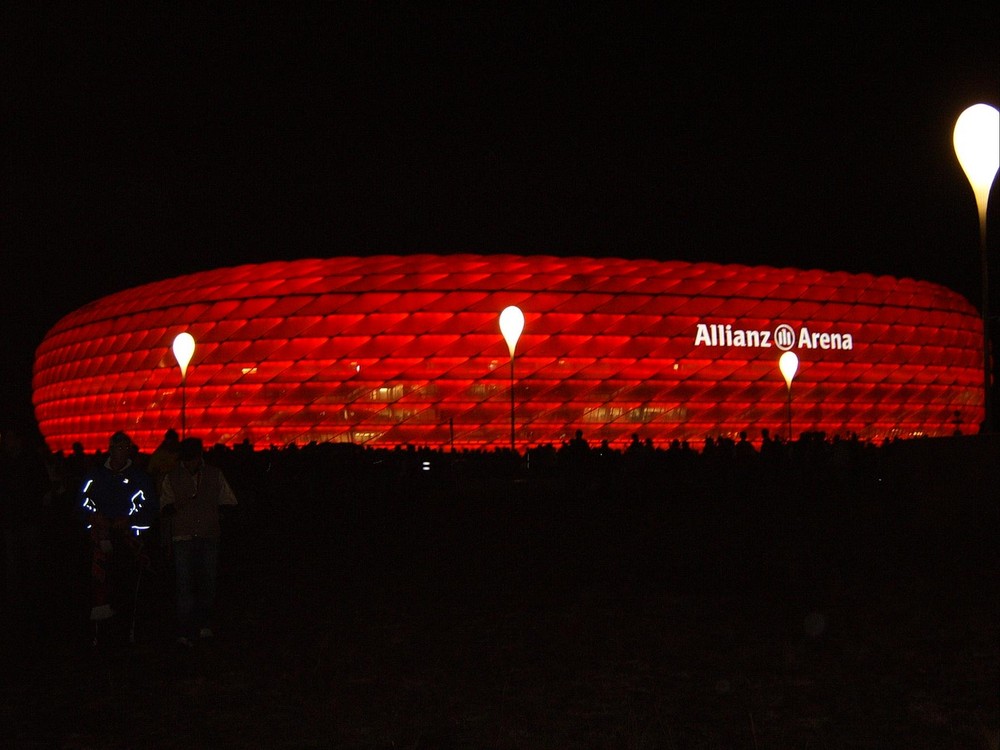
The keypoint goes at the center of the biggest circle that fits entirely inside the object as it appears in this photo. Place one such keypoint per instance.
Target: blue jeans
(196, 562)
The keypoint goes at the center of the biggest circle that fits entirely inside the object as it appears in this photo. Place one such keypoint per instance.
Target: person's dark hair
(191, 448)
(120, 438)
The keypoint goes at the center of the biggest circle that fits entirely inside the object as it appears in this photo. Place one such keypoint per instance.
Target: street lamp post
(511, 325)
(183, 351)
(977, 145)
(788, 363)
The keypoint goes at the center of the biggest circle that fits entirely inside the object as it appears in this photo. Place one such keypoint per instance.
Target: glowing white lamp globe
(977, 146)
(511, 325)
(183, 351)
(788, 363)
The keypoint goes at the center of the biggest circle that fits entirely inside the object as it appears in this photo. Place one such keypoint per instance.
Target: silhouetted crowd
(40, 484)
(311, 489)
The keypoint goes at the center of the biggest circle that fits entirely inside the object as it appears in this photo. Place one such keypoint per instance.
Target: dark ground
(464, 609)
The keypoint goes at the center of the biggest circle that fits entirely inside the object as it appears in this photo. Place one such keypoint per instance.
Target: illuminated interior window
(387, 393)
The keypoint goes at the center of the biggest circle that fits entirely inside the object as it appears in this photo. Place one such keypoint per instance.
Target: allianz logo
(783, 337)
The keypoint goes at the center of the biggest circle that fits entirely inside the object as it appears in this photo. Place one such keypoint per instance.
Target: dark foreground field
(475, 609)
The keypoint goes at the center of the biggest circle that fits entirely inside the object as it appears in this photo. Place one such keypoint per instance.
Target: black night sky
(152, 141)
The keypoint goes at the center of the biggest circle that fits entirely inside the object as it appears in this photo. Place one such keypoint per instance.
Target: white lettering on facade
(719, 334)
(825, 341)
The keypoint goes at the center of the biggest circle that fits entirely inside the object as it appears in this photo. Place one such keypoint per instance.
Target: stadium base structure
(406, 350)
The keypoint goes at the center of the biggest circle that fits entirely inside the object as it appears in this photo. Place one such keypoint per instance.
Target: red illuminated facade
(394, 350)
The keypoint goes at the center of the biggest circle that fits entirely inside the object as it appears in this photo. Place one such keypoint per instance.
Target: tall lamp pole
(511, 325)
(788, 363)
(977, 145)
(183, 351)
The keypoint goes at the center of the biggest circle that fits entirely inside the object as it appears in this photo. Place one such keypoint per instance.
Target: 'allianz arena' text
(397, 350)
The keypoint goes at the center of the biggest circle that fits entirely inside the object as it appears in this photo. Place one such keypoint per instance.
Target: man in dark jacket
(117, 503)
(192, 494)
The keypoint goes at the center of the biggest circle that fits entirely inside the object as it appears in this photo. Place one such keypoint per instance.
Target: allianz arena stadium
(406, 350)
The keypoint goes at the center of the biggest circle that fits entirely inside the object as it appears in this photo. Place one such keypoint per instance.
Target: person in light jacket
(190, 501)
